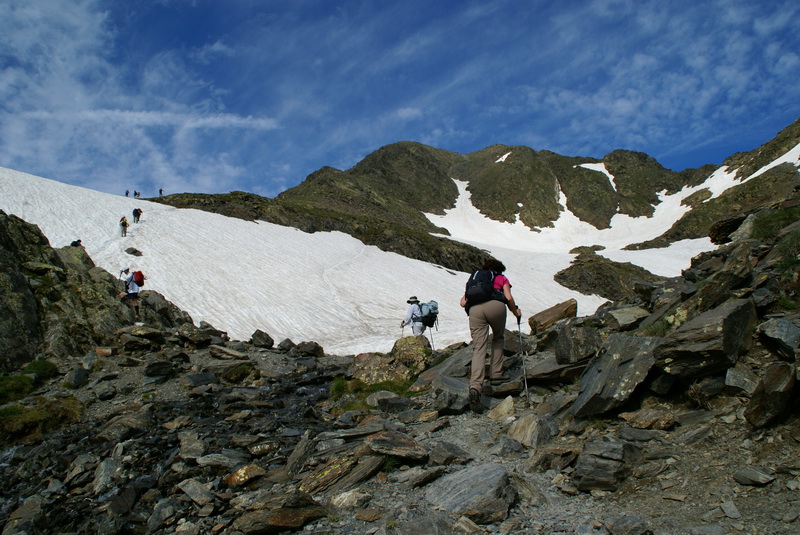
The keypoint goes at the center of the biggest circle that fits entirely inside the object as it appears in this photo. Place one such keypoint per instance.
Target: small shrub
(355, 405)
(391, 464)
(42, 368)
(698, 396)
(338, 387)
(15, 387)
(659, 329)
(27, 423)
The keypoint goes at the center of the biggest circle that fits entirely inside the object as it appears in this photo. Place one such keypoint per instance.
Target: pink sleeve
(500, 281)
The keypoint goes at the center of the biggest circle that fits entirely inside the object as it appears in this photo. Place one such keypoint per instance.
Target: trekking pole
(524, 354)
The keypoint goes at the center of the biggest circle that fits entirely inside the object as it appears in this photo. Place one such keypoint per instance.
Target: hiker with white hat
(413, 316)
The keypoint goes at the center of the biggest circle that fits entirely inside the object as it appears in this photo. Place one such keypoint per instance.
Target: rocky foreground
(673, 411)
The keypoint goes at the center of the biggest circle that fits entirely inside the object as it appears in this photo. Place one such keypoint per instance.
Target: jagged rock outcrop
(56, 303)
(591, 273)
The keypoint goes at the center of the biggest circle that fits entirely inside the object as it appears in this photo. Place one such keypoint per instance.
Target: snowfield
(327, 287)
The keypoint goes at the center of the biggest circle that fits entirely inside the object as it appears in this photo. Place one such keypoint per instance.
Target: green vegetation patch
(23, 423)
(768, 225)
(43, 369)
(341, 386)
(789, 249)
(15, 387)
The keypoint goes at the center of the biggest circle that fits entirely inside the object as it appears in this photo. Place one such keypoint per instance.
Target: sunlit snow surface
(327, 287)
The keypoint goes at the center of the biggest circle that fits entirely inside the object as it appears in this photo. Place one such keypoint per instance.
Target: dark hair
(494, 265)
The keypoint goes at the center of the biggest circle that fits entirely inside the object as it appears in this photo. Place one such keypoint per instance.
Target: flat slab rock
(481, 493)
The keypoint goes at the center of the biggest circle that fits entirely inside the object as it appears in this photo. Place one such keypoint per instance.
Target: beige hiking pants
(488, 315)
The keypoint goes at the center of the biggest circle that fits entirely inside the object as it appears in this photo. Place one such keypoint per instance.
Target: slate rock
(445, 453)
(366, 467)
(628, 525)
(76, 377)
(396, 404)
(773, 395)
(127, 425)
(544, 368)
(312, 349)
(193, 335)
(481, 493)
(530, 430)
(261, 339)
(604, 465)
(160, 368)
(396, 444)
(735, 271)
(199, 379)
(449, 403)
(781, 337)
(625, 318)
(611, 378)
(541, 321)
(740, 381)
(575, 344)
(753, 477)
(709, 343)
(291, 512)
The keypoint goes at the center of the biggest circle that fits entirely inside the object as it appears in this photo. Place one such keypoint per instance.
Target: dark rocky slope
(55, 303)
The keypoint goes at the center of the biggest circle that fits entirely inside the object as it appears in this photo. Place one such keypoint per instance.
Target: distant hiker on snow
(131, 292)
(413, 316)
(123, 226)
(127, 192)
(487, 294)
(160, 192)
(136, 213)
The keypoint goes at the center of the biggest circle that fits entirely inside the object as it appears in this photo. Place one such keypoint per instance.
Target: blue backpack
(429, 313)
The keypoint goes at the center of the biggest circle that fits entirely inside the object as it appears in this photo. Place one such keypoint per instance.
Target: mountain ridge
(382, 200)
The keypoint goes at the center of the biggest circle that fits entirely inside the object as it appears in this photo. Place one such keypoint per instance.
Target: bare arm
(512, 305)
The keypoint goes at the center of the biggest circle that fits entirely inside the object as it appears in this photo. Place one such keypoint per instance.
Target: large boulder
(413, 351)
(575, 344)
(605, 465)
(773, 395)
(373, 368)
(611, 379)
(709, 343)
(782, 337)
(731, 274)
(481, 493)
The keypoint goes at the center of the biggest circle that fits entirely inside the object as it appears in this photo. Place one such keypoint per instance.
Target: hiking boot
(500, 379)
(475, 401)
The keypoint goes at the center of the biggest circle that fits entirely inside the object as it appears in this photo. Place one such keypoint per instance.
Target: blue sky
(254, 95)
